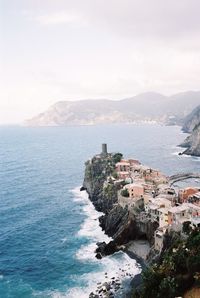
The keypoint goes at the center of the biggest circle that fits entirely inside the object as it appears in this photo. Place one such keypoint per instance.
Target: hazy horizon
(71, 50)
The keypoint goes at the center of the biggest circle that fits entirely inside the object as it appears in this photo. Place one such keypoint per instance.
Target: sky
(52, 50)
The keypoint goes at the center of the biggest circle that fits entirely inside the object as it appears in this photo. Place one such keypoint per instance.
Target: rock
(98, 256)
(82, 188)
(193, 142)
(192, 125)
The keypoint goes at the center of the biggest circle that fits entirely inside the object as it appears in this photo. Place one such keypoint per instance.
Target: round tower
(104, 149)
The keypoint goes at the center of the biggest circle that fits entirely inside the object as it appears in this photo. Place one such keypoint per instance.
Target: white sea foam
(115, 266)
(118, 265)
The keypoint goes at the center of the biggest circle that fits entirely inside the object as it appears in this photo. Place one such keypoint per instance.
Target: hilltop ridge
(147, 107)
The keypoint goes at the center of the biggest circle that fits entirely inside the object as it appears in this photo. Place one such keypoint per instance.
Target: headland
(143, 212)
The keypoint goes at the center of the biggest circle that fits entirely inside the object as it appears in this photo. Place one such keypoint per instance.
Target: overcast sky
(53, 50)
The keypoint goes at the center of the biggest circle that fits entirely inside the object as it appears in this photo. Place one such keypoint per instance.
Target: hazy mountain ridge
(143, 107)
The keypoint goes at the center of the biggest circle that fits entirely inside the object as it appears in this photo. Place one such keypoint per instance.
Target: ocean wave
(118, 265)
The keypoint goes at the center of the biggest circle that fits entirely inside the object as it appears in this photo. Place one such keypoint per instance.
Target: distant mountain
(192, 124)
(143, 107)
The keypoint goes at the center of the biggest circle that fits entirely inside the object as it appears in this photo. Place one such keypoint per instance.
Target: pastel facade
(135, 190)
(195, 199)
(123, 166)
(163, 217)
(185, 193)
(123, 169)
(178, 215)
(157, 209)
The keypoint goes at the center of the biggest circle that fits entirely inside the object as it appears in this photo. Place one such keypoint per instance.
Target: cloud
(59, 18)
(144, 19)
(147, 19)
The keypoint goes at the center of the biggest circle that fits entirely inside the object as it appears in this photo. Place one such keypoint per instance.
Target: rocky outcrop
(96, 172)
(192, 120)
(193, 142)
(192, 125)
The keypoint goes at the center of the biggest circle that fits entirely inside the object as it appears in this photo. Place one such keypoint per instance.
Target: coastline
(115, 272)
(134, 200)
(138, 250)
(114, 286)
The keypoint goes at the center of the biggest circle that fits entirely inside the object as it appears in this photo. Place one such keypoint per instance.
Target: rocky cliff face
(192, 120)
(192, 142)
(96, 172)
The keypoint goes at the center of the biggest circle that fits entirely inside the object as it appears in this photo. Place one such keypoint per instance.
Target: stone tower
(104, 149)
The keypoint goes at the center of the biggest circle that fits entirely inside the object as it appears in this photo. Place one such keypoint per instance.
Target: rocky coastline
(117, 222)
(127, 233)
(137, 216)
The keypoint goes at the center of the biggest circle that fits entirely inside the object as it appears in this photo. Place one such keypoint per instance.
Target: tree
(117, 157)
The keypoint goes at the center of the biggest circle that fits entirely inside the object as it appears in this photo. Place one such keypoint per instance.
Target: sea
(48, 228)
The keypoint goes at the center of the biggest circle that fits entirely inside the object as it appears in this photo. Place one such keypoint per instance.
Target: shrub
(125, 193)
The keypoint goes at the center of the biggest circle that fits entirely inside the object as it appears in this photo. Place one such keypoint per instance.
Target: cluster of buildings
(149, 191)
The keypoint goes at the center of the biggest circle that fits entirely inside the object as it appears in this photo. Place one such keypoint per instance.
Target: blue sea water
(48, 229)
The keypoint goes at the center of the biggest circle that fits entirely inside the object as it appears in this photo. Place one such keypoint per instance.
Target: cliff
(96, 172)
(149, 106)
(192, 142)
(192, 120)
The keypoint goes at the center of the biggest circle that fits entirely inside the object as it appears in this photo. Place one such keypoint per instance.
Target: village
(150, 195)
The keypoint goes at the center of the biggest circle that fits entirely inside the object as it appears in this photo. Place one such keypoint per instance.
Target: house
(123, 166)
(135, 190)
(186, 212)
(130, 202)
(153, 211)
(123, 169)
(178, 214)
(163, 216)
(194, 199)
(157, 208)
(154, 176)
(187, 192)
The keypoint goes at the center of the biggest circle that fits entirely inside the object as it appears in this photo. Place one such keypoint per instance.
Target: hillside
(143, 107)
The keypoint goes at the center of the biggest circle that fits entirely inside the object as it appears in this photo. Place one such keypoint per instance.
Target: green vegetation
(125, 193)
(109, 190)
(177, 271)
(114, 174)
(117, 157)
